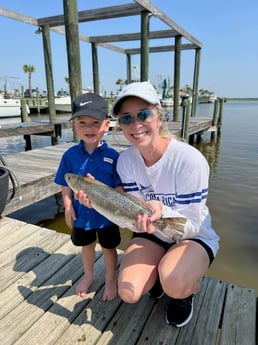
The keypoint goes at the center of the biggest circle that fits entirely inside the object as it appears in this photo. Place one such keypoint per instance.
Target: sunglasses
(128, 119)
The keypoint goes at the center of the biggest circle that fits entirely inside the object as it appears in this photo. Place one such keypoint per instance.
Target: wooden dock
(37, 104)
(34, 170)
(34, 128)
(38, 270)
(197, 125)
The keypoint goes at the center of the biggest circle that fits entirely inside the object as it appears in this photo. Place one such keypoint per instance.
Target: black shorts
(108, 237)
(166, 245)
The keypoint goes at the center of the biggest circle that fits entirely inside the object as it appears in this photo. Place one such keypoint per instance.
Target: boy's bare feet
(110, 291)
(82, 287)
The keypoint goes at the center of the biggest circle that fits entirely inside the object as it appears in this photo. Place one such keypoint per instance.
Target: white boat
(212, 98)
(63, 104)
(10, 107)
(167, 102)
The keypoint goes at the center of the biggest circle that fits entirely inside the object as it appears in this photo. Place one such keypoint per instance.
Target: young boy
(91, 156)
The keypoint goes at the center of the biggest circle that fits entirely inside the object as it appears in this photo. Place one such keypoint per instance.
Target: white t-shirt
(179, 180)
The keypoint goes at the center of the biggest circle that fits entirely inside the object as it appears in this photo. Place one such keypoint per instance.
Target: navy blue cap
(90, 104)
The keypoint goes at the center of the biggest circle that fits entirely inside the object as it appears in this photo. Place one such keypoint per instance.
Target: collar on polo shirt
(97, 149)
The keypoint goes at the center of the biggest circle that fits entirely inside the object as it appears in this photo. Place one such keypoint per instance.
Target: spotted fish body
(122, 208)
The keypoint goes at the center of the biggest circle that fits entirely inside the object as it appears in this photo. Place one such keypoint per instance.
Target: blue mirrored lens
(125, 119)
(144, 114)
(128, 119)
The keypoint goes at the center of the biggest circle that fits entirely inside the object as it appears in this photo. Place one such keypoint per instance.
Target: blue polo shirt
(101, 164)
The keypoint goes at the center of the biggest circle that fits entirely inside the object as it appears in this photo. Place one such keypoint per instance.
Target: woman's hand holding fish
(144, 222)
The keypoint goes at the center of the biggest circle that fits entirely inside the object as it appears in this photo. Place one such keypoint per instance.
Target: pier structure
(70, 18)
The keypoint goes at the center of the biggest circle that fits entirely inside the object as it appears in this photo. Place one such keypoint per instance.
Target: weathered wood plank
(118, 11)
(11, 230)
(204, 326)
(162, 333)
(36, 276)
(65, 308)
(239, 321)
(24, 256)
(36, 303)
(32, 128)
(70, 312)
(35, 171)
(25, 235)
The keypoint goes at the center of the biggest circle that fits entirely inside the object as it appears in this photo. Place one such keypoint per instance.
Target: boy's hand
(70, 217)
(83, 199)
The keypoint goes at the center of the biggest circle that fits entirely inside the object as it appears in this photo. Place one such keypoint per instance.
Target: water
(233, 194)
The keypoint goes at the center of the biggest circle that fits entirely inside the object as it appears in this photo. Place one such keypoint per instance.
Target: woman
(173, 177)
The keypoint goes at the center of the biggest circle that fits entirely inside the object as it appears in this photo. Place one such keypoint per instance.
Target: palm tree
(120, 82)
(29, 69)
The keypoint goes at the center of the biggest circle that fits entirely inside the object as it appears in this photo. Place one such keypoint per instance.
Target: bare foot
(82, 287)
(110, 291)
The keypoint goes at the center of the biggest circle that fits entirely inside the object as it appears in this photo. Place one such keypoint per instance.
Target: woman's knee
(178, 286)
(128, 293)
(174, 287)
(175, 284)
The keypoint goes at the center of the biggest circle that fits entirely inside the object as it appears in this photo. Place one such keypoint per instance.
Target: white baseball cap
(143, 90)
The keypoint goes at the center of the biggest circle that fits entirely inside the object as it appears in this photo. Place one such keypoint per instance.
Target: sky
(228, 31)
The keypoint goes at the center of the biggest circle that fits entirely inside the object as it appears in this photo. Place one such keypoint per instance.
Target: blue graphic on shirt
(166, 199)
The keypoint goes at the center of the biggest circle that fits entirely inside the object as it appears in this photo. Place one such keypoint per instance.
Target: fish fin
(171, 227)
(177, 223)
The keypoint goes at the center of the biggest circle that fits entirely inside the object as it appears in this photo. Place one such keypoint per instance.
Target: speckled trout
(122, 208)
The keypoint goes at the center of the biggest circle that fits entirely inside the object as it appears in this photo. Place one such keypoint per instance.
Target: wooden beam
(156, 12)
(84, 38)
(160, 49)
(18, 16)
(109, 12)
(132, 8)
(132, 36)
(60, 30)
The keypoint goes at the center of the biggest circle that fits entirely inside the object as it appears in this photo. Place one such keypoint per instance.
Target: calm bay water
(233, 194)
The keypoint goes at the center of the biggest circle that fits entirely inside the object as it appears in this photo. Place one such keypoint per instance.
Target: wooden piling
(221, 111)
(185, 119)
(24, 112)
(214, 119)
(25, 119)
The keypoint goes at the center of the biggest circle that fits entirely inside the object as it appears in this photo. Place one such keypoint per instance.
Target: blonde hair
(163, 129)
